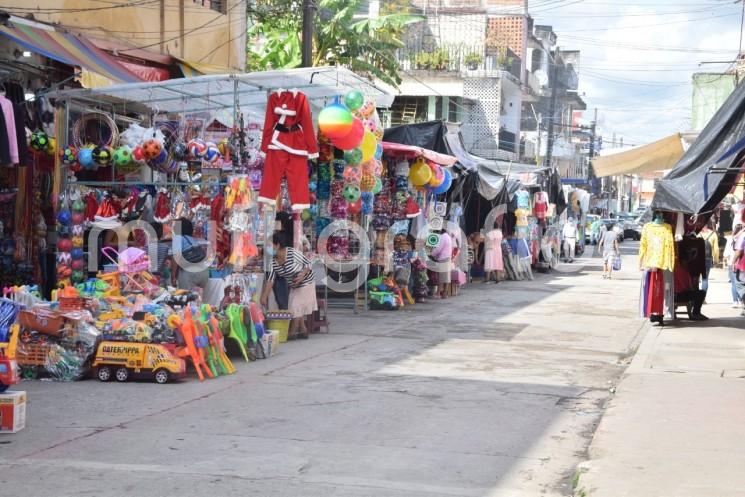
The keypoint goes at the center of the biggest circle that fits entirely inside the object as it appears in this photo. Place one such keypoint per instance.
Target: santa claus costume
(288, 142)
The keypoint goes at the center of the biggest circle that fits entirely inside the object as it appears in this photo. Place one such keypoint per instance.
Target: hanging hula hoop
(108, 134)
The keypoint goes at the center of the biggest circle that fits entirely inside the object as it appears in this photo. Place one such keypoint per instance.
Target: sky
(638, 57)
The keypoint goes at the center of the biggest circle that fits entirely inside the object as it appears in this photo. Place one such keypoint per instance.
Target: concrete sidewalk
(675, 426)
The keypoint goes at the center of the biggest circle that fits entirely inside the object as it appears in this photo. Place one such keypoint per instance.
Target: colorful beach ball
(335, 121)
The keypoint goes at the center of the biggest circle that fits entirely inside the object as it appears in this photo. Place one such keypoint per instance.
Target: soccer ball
(39, 141)
(102, 155)
(151, 148)
(69, 155)
(123, 156)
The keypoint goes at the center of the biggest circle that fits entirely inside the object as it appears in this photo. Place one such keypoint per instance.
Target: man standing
(569, 234)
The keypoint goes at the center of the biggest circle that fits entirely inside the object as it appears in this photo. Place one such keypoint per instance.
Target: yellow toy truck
(121, 360)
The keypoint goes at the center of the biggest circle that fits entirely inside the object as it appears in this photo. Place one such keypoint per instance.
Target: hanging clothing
(4, 143)
(523, 199)
(657, 248)
(288, 142)
(19, 111)
(656, 294)
(493, 251)
(10, 128)
(540, 205)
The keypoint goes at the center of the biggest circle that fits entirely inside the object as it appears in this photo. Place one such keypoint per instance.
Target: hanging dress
(493, 254)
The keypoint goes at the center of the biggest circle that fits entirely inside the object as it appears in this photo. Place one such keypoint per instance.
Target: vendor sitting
(688, 293)
(292, 265)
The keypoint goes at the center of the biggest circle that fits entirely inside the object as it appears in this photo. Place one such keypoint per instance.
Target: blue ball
(77, 253)
(85, 158)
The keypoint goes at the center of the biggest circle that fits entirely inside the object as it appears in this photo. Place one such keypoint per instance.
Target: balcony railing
(460, 59)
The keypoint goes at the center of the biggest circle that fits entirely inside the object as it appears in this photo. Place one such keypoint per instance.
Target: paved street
(494, 393)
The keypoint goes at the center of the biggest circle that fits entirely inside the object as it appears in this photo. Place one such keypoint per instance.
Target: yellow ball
(420, 173)
(368, 146)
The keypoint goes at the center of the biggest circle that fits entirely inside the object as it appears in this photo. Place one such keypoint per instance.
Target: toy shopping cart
(133, 265)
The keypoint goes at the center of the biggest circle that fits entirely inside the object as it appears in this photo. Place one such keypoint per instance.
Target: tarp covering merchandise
(656, 156)
(691, 187)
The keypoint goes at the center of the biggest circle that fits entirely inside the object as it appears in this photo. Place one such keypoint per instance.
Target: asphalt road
(496, 392)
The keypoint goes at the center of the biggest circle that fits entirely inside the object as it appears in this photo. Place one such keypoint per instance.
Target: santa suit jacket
(289, 110)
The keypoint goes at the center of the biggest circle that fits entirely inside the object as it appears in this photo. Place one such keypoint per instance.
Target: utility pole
(309, 14)
(552, 108)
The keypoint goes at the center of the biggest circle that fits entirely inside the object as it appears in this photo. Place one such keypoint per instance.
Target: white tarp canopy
(217, 94)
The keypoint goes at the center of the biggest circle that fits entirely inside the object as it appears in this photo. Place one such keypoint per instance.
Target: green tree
(341, 37)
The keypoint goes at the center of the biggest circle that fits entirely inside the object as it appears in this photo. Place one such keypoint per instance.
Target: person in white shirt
(569, 234)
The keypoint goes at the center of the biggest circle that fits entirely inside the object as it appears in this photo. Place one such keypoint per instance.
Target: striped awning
(69, 49)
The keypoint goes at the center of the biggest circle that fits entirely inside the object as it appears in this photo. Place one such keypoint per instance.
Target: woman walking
(292, 265)
(729, 259)
(609, 247)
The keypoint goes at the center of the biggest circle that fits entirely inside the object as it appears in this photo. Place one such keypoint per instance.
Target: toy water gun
(238, 330)
(217, 353)
(187, 331)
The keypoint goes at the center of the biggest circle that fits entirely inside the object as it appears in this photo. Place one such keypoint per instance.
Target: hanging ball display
(211, 152)
(197, 148)
(78, 276)
(64, 217)
(51, 146)
(355, 207)
(78, 205)
(78, 265)
(352, 174)
(102, 155)
(438, 176)
(351, 193)
(151, 148)
(377, 168)
(64, 245)
(354, 100)
(77, 253)
(370, 125)
(445, 186)
(368, 167)
(352, 139)
(122, 156)
(180, 152)
(69, 155)
(419, 173)
(138, 155)
(353, 157)
(378, 186)
(368, 146)
(78, 218)
(368, 201)
(335, 121)
(39, 141)
(160, 159)
(367, 109)
(367, 182)
(85, 158)
(379, 151)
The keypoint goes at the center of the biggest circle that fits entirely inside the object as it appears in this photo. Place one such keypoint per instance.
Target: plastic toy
(368, 146)
(8, 365)
(151, 149)
(69, 155)
(102, 155)
(353, 138)
(354, 100)
(335, 121)
(123, 156)
(122, 360)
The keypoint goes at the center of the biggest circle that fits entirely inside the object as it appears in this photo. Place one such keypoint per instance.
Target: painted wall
(182, 28)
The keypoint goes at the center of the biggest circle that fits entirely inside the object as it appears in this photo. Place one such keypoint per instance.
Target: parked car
(631, 228)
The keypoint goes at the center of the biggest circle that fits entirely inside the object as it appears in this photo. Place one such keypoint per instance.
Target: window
(216, 5)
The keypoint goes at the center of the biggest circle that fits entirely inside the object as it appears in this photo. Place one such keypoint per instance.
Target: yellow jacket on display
(657, 248)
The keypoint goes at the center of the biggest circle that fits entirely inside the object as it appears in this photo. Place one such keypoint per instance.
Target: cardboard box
(270, 341)
(12, 412)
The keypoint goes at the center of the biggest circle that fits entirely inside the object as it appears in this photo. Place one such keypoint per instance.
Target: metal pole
(552, 108)
(309, 13)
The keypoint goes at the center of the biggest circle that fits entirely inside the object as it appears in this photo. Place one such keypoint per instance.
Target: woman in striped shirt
(292, 265)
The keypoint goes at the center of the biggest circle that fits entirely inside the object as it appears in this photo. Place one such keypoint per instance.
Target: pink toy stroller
(133, 264)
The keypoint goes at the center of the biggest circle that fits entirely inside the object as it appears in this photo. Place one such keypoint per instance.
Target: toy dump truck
(120, 360)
